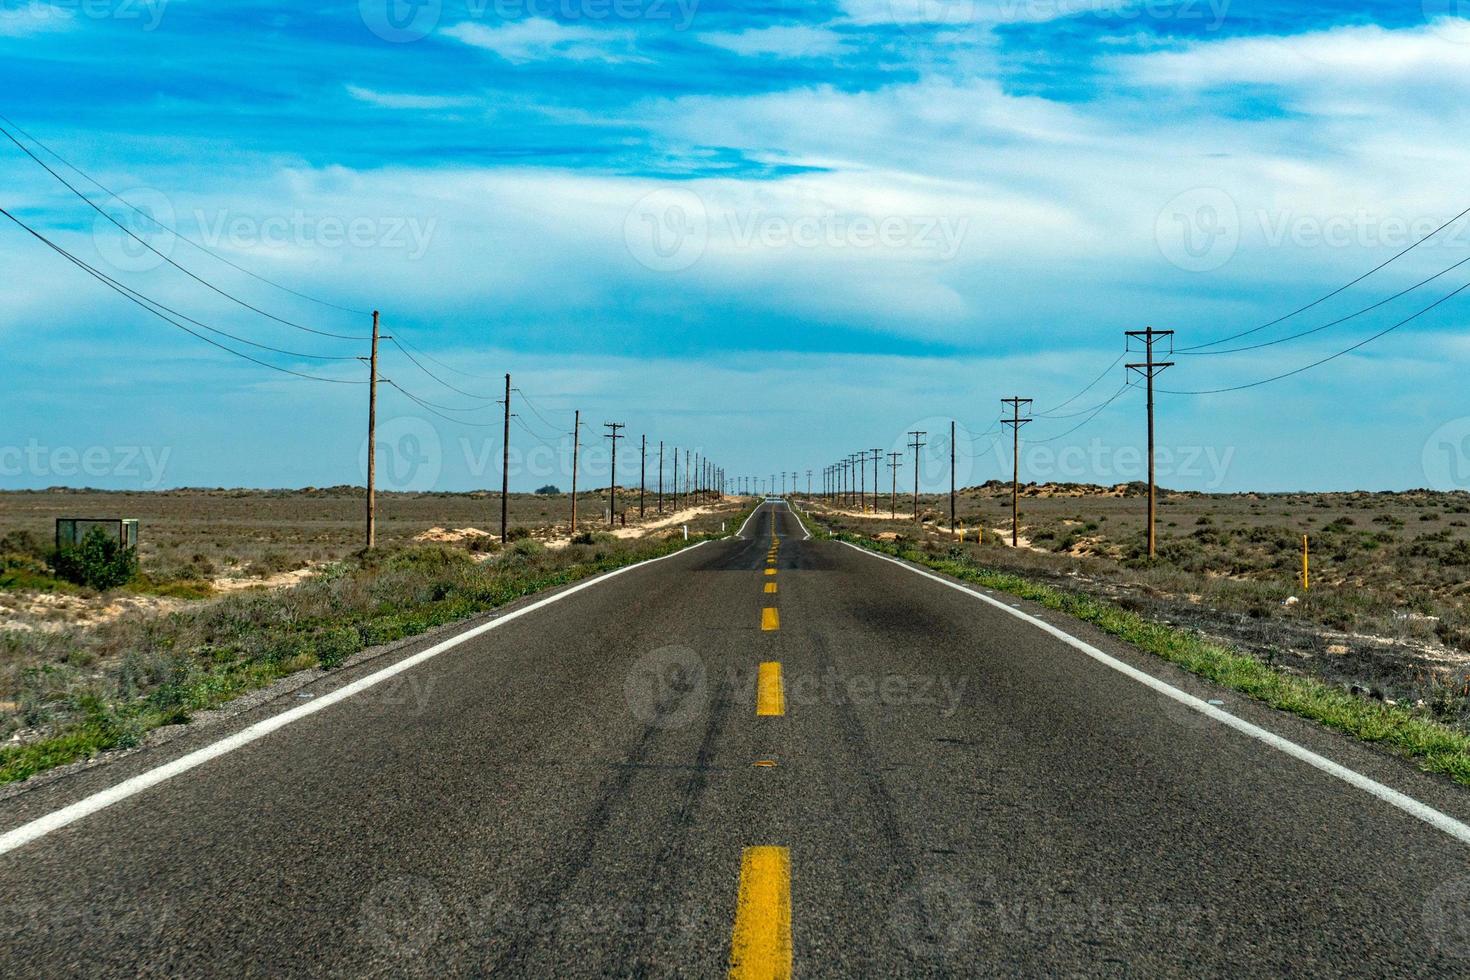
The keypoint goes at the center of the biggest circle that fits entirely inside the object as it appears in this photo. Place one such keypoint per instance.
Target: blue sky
(778, 234)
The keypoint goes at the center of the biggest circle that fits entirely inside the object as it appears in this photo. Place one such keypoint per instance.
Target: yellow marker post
(770, 619)
(770, 695)
(1306, 571)
(760, 944)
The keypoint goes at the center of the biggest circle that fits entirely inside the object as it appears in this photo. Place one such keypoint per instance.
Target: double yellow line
(760, 943)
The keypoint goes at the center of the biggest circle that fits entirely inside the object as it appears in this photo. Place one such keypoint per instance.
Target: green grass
(1433, 746)
(175, 665)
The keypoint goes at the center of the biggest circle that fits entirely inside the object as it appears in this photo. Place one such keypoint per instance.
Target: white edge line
(748, 519)
(1393, 797)
(86, 806)
(792, 511)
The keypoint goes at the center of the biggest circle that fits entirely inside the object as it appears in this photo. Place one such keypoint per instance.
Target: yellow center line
(770, 571)
(770, 587)
(770, 619)
(760, 943)
(770, 696)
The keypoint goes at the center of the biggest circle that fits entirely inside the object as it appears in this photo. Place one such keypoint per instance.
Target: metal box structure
(71, 530)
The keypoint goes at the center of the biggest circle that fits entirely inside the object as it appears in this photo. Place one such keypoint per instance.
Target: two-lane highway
(763, 754)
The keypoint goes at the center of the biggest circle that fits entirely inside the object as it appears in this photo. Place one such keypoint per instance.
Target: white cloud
(1345, 57)
(36, 17)
(784, 42)
(405, 100)
(541, 39)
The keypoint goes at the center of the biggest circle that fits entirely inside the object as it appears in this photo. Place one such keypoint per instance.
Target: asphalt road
(612, 785)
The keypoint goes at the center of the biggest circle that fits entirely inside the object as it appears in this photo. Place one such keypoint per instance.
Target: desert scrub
(73, 693)
(1433, 746)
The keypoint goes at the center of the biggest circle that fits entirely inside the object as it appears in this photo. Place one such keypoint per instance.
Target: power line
(457, 390)
(426, 406)
(1090, 385)
(1350, 316)
(1330, 357)
(193, 244)
(197, 278)
(1323, 299)
(123, 291)
(534, 411)
(453, 370)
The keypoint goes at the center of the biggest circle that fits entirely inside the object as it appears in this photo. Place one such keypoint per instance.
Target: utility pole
(676, 478)
(576, 444)
(660, 476)
(612, 482)
(893, 459)
(1149, 368)
(505, 470)
(808, 484)
(372, 460)
(1015, 422)
(876, 453)
(916, 445)
(642, 474)
(951, 476)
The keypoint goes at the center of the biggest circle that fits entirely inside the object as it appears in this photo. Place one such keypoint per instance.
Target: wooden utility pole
(876, 453)
(676, 478)
(660, 476)
(576, 444)
(505, 470)
(893, 459)
(1149, 368)
(372, 460)
(612, 482)
(642, 474)
(951, 476)
(1015, 422)
(916, 445)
